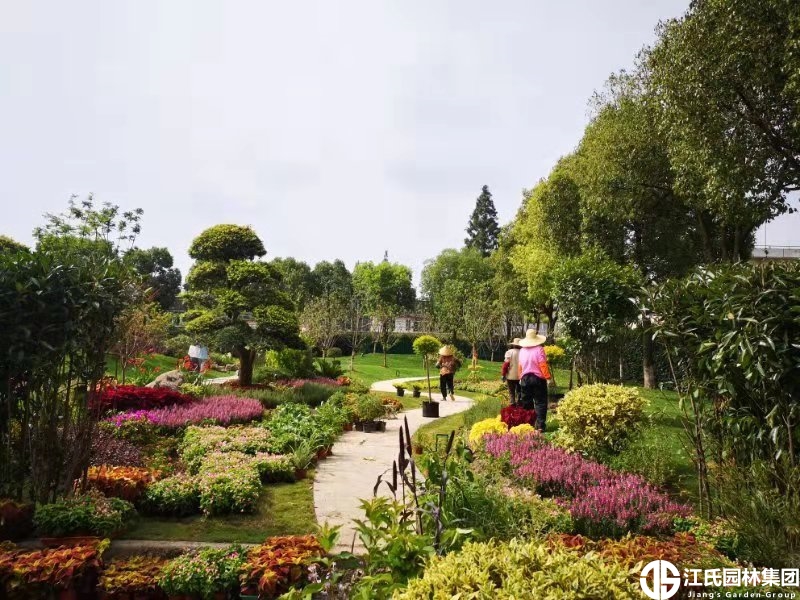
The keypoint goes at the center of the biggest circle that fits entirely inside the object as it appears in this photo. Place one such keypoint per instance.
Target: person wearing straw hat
(534, 372)
(447, 365)
(511, 370)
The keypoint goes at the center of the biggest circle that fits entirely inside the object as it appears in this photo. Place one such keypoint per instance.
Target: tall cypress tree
(483, 230)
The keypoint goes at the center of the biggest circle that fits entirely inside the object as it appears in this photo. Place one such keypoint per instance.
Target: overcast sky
(335, 129)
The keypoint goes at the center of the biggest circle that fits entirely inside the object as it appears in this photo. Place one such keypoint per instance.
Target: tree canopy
(483, 229)
(154, 265)
(236, 303)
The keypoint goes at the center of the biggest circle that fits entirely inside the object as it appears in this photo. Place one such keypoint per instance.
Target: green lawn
(369, 368)
(284, 509)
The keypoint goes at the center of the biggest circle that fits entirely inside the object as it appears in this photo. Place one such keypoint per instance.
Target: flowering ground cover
(223, 410)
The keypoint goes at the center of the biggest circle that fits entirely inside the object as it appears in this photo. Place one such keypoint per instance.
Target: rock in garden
(170, 379)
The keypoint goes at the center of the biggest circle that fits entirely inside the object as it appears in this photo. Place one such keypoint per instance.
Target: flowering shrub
(35, 574)
(524, 429)
(228, 482)
(601, 502)
(599, 418)
(391, 405)
(137, 575)
(201, 441)
(555, 355)
(202, 574)
(174, 496)
(343, 380)
(128, 483)
(108, 449)
(482, 428)
(621, 504)
(218, 409)
(516, 415)
(132, 397)
(87, 514)
(278, 564)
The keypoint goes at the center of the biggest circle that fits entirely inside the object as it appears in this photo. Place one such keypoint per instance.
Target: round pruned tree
(236, 303)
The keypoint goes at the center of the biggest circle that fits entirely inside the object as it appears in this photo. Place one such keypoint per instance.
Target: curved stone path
(358, 459)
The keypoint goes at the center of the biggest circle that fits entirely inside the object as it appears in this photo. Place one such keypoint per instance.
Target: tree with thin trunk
(322, 320)
(426, 346)
(139, 328)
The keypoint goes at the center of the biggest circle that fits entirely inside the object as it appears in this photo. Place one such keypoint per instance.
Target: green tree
(237, 303)
(426, 346)
(448, 281)
(322, 319)
(155, 267)
(726, 77)
(332, 278)
(594, 296)
(386, 291)
(297, 278)
(140, 327)
(483, 229)
(8, 244)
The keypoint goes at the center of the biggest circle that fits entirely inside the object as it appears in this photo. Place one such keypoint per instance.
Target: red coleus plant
(132, 397)
(128, 483)
(61, 568)
(278, 564)
(516, 415)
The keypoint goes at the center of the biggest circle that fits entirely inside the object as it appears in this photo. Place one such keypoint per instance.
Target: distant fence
(776, 253)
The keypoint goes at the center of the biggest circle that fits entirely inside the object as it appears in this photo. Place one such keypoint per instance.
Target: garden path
(358, 459)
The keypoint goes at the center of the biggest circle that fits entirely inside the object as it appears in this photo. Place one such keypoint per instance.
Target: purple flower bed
(602, 502)
(223, 410)
(298, 383)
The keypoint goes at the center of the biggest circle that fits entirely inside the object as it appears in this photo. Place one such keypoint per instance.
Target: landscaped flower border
(224, 410)
(601, 502)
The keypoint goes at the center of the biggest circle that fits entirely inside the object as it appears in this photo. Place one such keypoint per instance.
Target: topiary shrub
(333, 352)
(599, 418)
(520, 569)
(177, 346)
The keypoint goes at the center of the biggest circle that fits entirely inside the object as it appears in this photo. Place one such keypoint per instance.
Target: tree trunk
(352, 358)
(648, 357)
(247, 359)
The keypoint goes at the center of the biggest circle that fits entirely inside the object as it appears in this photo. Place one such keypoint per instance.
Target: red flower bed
(132, 397)
(516, 415)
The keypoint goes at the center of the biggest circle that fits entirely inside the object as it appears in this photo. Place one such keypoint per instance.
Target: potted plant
(426, 346)
(416, 390)
(302, 458)
(370, 408)
(401, 388)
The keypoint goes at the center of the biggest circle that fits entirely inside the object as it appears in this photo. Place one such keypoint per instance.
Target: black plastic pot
(370, 426)
(359, 425)
(401, 392)
(430, 410)
(417, 393)
(381, 425)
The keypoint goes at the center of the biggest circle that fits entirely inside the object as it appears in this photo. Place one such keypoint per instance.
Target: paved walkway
(358, 459)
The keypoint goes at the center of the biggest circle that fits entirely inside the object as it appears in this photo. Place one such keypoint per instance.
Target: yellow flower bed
(481, 428)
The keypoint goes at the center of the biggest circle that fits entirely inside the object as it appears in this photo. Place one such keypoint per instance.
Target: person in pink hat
(534, 373)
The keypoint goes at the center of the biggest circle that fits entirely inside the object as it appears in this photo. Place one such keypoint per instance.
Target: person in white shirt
(511, 370)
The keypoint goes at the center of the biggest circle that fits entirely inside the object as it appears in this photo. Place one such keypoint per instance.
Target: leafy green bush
(176, 496)
(369, 408)
(651, 456)
(228, 482)
(88, 514)
(290, 424)
(333, 352)
(328, 368)
(177, 346)
(599, 418)
(290, 363)
(313, 394)
(205, 573)
(520, 569)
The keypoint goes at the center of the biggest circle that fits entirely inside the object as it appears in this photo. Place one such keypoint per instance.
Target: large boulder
(170, 379)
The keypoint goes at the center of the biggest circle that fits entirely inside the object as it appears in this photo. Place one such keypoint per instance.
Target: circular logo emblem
(660, 580)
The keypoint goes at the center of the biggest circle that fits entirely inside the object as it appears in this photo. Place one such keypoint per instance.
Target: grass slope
(369, 368)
